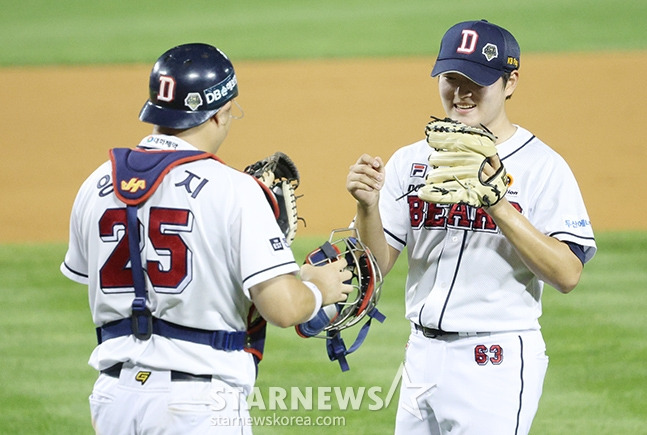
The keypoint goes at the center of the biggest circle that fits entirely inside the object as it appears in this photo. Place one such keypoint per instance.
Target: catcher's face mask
(366, 280)
(367, 284)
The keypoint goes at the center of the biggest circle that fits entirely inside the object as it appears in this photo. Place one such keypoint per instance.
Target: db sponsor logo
(221, 90)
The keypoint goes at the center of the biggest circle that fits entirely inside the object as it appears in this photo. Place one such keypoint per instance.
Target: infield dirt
(59, 122)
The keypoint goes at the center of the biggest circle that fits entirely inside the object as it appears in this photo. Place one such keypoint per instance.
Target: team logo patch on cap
(193, 100)
(490, 51)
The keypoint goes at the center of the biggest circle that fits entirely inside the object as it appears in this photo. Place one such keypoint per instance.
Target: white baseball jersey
(208, 235)
(464, 275)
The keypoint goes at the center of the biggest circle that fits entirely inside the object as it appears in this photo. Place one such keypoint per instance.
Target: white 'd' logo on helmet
(490, 51)
(193, 100)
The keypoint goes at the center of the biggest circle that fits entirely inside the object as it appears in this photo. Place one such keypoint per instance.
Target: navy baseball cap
(479, 50)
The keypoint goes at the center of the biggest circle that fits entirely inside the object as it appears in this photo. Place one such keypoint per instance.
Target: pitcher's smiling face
(473, 104)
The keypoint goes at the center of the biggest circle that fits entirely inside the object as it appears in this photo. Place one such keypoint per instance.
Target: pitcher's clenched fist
(365, 179)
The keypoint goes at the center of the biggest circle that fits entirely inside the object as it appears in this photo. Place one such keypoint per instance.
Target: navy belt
(220, 340)
(115, 371)
(434, 333)
(439, 333)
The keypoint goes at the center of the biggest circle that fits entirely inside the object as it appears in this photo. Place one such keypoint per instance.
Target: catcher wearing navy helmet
(184, 262)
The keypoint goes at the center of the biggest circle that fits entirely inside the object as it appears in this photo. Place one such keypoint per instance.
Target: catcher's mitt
(361, 302)
(279, 177)
(459, 155)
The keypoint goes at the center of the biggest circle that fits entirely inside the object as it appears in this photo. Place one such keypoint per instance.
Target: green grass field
(596, 382)
(37, 32)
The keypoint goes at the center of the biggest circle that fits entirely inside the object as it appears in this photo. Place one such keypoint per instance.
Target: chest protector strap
(136, 175)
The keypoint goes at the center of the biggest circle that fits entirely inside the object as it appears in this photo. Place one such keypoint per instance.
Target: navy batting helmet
(188, 85)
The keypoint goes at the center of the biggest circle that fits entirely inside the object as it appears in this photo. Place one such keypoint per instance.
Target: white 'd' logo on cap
(468, 43)
(490, 51)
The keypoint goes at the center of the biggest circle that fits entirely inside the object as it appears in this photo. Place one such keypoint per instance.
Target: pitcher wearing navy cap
(481, 51)
(475, 360)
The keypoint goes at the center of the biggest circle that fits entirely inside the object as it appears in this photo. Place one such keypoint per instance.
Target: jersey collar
(512, 144)
(165, 142)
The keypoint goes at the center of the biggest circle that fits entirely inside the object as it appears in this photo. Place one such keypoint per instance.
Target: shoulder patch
(277, 244)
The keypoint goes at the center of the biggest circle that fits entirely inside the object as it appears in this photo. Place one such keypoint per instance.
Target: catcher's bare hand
(365, 179)
(329, 278)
